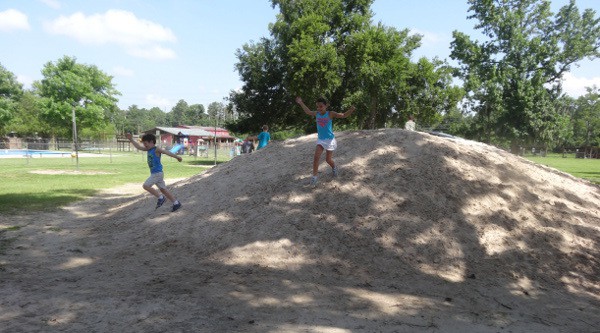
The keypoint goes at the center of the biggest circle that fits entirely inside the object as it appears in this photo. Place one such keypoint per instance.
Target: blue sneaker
(335, 171)
(160, 202)
(176, 206)
(313, 181)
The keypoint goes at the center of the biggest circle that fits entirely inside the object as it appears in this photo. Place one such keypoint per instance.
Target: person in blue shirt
(264, 137)
(156, 169)
(325, 137)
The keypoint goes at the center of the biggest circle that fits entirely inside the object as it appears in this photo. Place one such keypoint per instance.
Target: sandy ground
(418, 234)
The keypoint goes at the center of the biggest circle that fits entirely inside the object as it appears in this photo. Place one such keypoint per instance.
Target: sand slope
(418, 234)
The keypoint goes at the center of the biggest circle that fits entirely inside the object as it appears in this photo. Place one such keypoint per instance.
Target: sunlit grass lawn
(582, 168)
(26, 188)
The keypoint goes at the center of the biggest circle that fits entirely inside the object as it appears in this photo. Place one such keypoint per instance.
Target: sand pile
(419, 233)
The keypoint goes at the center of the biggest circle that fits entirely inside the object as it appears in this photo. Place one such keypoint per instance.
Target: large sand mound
(419, 233)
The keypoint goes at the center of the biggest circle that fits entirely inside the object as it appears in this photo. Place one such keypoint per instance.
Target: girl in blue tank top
(325, 137)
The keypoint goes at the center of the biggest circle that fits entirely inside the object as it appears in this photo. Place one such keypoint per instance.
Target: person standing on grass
(325, 137)
(156, 169)
(264, 137)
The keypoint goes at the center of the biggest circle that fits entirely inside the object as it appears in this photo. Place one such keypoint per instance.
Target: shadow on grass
(44, 201)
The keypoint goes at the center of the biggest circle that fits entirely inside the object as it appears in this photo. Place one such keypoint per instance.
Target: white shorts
(156, 179)
(327, 144)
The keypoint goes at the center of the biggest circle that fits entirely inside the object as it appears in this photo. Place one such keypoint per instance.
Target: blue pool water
(24, 152)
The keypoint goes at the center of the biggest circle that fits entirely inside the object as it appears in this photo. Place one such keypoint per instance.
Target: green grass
(582, 168)
(27, 188)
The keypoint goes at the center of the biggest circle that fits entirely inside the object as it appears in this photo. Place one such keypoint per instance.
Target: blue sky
(160, 52)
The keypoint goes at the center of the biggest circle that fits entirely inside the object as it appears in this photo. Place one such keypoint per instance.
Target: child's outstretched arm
(135, 143)
(344, 114)
(166, 152)
(305, 108)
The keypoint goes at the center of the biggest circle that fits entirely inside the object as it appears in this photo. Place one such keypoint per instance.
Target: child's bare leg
(152, 190)
(167, 194)
(329, 158)
(317, 158)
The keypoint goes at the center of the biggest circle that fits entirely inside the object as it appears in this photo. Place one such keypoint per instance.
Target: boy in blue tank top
(264, 137)
(325, 137)
(156, 170)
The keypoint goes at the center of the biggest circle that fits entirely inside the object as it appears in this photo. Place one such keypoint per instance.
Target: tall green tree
(330, 48)
(138, 120)
(155, 118)
(10, 93)
(28, 120)
(305, 56)
(195, 114)
(586, 120)
(216, 113)
(119, 120)
(378, 57)
(68, 85)
(514, 77)
(264, 97)
(426, 92)
(177, 116)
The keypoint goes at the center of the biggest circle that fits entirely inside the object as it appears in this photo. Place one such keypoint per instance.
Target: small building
(222, 134)
(191, 137)
(168, 137)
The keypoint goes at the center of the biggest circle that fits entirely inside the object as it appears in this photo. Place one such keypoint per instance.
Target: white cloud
(54, 4)
(431, 39)
(139, 37)
(161, 102)
(12, 19)
(27, 81)
(575, 86)
(122, 71)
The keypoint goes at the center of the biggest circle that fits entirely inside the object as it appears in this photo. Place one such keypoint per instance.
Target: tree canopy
(331, 48)
(10, 93)
(513, 77)
(67, 85)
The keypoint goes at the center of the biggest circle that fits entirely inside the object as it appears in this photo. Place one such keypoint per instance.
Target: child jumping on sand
(326, 138)
(156, 170)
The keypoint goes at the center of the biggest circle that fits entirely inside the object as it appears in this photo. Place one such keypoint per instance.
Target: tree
(195, 114)
(155, 117)
(10, 93)
(330, 48)
(305, 56)
(177, 116)
(216, 113)
(263, 98)
(586, 120)
(427, 92)
(140, 120)
(68, 85)
(119, 120)
(28, 120)
(379, 57)
(514, 78)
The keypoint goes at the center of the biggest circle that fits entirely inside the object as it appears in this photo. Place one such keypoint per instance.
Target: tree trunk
(373, 109)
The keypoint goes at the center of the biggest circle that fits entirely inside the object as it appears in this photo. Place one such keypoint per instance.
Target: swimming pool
(32, 152)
